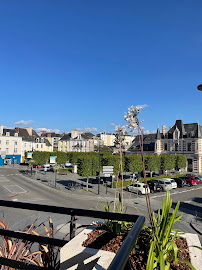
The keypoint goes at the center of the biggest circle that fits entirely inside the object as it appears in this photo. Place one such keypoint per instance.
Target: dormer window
(42, 140)
(176, 135)
(7, 133)
(16, 134)
(37, 140)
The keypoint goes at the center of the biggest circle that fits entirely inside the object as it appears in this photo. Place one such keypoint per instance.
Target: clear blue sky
(80, 64)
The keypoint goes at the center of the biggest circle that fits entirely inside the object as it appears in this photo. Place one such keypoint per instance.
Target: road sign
(108, 169)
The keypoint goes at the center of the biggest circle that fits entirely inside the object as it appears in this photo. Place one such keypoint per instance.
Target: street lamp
(199, 87)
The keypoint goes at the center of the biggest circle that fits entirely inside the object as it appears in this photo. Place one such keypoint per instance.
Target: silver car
(173, 183)
(165, 184)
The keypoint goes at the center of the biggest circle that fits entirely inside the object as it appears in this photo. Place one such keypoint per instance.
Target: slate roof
(24, 134)
(52, 134)
(87, 135)
(12, 131)
(66, 137)
(192, 130)
(148, 143)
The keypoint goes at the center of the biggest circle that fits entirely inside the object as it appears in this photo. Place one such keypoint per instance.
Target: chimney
(17, 129)
(49, 135)
(43, 132)
(164, 129)
(1, 130)
(29, 130)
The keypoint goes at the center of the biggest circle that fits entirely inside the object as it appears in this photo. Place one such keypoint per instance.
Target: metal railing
(120, 259)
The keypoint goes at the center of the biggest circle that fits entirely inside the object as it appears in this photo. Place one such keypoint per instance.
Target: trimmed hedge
(141, 180)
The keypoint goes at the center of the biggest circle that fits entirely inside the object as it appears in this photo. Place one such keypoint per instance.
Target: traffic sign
(108, 169)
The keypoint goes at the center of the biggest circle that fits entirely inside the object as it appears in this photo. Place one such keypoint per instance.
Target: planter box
(195, 253)
(74, 256)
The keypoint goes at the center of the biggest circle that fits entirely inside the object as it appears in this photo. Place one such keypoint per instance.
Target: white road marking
(29, 200)
(3, 179)
(177, 192)
(14, 189)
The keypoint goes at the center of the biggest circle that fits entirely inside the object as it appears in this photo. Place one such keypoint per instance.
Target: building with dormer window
(181, 138)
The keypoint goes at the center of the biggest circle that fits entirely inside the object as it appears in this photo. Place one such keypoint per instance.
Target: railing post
(72, 227)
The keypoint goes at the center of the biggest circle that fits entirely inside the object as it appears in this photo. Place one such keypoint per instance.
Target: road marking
(3, 179)
(14, 189)
(173, 193)
(29, 200)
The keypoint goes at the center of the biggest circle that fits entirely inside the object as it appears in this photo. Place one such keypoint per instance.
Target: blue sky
(81, 64)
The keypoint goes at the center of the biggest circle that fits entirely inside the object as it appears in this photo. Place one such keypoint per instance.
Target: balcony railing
(120, 259)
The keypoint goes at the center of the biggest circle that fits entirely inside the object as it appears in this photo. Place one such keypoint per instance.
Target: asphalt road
(17, 187)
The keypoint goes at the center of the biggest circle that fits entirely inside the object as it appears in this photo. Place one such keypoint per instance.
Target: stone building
(181, 138)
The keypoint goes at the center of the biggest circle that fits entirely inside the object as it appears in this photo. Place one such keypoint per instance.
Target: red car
(198, 180)
(190, 180)
(37, 165)
(194, 177)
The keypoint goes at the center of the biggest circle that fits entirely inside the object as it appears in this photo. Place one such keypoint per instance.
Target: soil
(101, 239)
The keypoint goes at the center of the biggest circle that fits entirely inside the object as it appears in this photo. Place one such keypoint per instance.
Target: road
(18, 187)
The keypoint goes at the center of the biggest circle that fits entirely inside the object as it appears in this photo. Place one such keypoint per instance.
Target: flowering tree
(133, 123)
(120, 131)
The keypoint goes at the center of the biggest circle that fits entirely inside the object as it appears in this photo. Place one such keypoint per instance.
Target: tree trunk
(87, 183)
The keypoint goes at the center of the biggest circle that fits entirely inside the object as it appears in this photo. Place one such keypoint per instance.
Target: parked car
(200, 177)
(198, 180)
(173, 183)
(154, 186)
(180, 182)
(37, 166)
(165, 184)
(46, 166)
(138, 188)
(190, 181)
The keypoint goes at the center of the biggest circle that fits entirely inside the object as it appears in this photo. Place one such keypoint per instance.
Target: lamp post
(199, 87)
(99, 171)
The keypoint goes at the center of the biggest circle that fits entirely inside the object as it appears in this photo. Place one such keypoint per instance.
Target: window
(25, 144)
(165, 146)
(0, 142)
(6, 150)
(188, 146)
(41, 145)
(37, 140)
(176, 146)
(16, 143)
(7, 133)
(16, 134)
(7, 142)
(176, 135)
(15, 150)
(37, 146)
(42, 140)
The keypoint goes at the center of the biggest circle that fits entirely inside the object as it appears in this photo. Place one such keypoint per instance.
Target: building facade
(181, 138)
(10, 146)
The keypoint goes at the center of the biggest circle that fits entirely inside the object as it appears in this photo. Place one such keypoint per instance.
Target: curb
(196, 228)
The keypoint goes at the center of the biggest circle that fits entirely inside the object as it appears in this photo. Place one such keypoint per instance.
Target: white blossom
(120, 129)
(131, 117)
